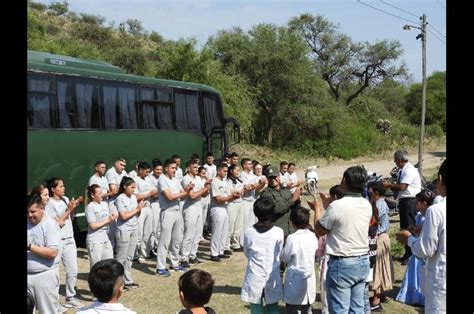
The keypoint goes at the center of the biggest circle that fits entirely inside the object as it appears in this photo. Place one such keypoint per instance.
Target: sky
(199, 19)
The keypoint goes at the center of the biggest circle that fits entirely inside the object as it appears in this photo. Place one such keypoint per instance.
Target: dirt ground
(330, 175)
(160, 295)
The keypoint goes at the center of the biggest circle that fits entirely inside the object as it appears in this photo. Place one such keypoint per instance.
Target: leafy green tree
(132, 60)
(59, 8)
(37, 6)
(435, 101)
(134, 26)
(92, 19)
(272, 59)
(340, 62)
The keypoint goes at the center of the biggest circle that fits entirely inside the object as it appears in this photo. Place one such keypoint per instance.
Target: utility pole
(423, 95)
(422, 35)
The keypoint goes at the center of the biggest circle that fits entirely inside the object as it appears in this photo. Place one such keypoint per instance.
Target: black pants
(407, 211)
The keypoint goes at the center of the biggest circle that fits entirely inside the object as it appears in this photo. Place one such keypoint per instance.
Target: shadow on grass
(226, 289)
(81, 294)
(82, 276)
(438, 154)
(82, 254)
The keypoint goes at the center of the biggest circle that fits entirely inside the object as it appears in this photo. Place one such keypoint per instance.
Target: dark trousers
(407, 211)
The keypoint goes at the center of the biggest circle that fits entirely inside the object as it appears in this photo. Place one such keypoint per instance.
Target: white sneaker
(62, 308)
(73, 303)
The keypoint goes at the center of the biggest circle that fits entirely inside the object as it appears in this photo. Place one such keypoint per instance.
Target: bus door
(216, 142)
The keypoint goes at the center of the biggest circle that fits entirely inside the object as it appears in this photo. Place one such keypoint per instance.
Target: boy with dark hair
(195, 290)
(106, 283)
(300, 250)
(263, 244)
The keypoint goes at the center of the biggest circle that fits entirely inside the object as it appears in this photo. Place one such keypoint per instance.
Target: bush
(434, 131)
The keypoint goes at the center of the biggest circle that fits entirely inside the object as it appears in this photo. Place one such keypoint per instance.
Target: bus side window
(109, 94)
(211, 113)
(75, 103)
(120, 110)
(40, 101)
(127, 109)
(187, 112)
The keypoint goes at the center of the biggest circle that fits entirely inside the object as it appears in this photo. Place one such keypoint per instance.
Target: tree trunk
(269, 129)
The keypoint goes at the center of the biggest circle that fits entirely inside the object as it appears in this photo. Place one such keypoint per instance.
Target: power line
(436, 36)
(399, 8)
(436, 30)
(394, 15)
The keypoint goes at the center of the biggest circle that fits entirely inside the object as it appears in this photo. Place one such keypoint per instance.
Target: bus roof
(48, 62)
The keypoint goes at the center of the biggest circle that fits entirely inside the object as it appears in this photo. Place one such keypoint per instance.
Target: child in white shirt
(299, 253)
(263, 244)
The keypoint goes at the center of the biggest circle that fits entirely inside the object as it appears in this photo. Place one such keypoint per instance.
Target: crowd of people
(157, 212)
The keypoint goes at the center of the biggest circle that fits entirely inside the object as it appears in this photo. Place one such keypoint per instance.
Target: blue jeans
(345, 282)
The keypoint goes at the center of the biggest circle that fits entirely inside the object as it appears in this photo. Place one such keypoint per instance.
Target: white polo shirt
(347, 220)
(409, 175)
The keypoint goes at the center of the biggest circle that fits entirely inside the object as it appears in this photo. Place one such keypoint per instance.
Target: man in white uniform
(144, 191)
(431, 245)
(172, 224)
(99, 178)
(157, 171)
(284, 176)
(114, 175)
(192, 214)
(251, 183)
(43, 245)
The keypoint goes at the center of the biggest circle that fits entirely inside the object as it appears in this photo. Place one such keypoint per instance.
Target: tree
(435, 101)
(273, 61)
(59, 8)
(132, 60)
(134, 26)
(342, 63)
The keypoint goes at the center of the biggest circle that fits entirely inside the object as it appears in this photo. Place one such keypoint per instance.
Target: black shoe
(240, 249)
(152, 255)
(136, 260)
(227, 252)
(376, 308)
(224, 256)
(194, 261)
(215, 258)
(132, 285)
(185, 264)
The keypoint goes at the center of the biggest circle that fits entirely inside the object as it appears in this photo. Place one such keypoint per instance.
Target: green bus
(80, 111)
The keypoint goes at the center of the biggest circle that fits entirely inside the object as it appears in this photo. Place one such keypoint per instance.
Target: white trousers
(192, 216)
(249, 218)
(236, 221)
(99, 251)
(156, 227)
(145, 228)
(69, 260)
(126, 245)
(170, 239)
(44, 287)
(220, 230)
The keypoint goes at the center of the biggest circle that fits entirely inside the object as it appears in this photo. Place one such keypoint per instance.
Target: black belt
(340, 257)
